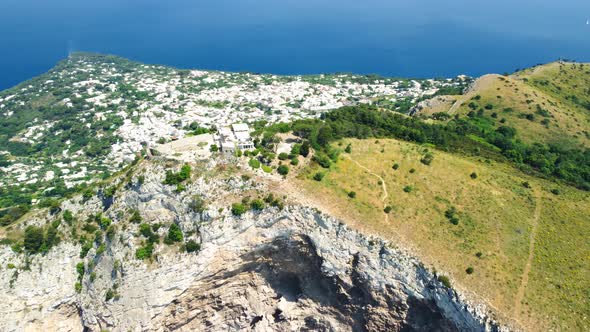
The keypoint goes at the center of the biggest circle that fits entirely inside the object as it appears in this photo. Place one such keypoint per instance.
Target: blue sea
(410, 38)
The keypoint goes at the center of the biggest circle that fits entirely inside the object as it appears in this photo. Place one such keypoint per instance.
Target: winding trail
(527, 268)
(383, 186)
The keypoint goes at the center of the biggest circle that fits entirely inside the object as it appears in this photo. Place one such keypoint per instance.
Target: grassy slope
(549, 86)
(496, 216)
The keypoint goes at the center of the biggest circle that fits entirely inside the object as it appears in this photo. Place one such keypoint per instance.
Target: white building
(236, 137)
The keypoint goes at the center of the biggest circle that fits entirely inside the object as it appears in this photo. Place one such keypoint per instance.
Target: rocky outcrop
(275, 270)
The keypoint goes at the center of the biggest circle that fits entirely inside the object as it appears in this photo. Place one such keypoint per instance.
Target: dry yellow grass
(549, 87)
(496, 217)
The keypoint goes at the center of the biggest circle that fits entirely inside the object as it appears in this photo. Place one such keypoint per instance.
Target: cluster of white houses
(235, 137)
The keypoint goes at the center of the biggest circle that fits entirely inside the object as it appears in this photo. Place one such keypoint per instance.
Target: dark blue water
(418, 38)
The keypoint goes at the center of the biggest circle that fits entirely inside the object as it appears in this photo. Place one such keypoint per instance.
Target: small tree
(135, 217)
(304, 149)
(237, 209)
(395, 166)
(174, 234)
(192, 246)
(254, 163)
(257, 205)
(283, 169)
(469, 270)
(68, 217)
(33, 239)
(283, 156)
(319, 176)
(427, 159)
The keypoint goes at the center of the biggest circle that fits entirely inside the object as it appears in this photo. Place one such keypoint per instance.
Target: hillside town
(126, 107)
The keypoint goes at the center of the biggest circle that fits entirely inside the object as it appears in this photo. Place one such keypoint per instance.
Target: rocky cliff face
(274, 270)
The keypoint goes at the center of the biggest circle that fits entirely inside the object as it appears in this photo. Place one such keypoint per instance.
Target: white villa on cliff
(235, 137)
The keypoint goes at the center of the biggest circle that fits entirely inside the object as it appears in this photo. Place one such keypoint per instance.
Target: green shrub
(283, 156)
(135, 217)
(145, 230)
(427, 159)
(445, 281)
(33, 239)
(257, 205)
(555, 191)
(109, 295)
(266, 169)
(387, 209)
(348, 149)
(78, 287)
(469, 270)
(322, 160)
(180, 188)
(192, 246)
(352, 194)
(283, 169)
(304, 149)
(319, 176)
(254, 163)
(81, 269)
(295, 161)
(296, 149)
(109, 192)
(111, 232)
(450, 212)
(412, 170)
(173, 178)
(473, 175)
(395, 166)
(85, 249)
(68, 217)
(145, 252)
(101, 249)
(526, 184)
(408, 189)
(105, 222)
(237, 209)
(174, 234)
(269, 198)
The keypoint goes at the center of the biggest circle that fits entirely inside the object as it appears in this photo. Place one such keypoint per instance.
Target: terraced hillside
(516, 241)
